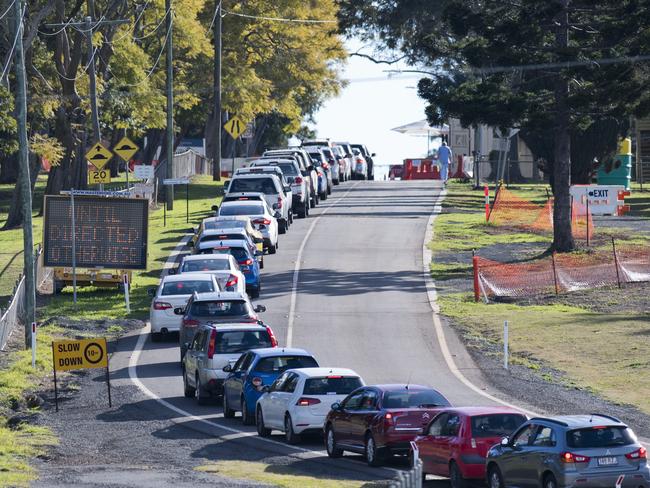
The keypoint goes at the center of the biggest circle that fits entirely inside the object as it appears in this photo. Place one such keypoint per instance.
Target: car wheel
(456, 477)
(495, 480)
(323, 196)
(272, 249)
(330, 444)
(156, 337)
(291, 216)
(329, 189)
(302, 212)
(259, 420)
(262, 263)
(199, 392)
(335, 182)
(255, 292)
(246, 417)
(189, 391)
(282, 227)
(312, 202)
(289, 434)
(549, 481)
(374, 456)
(228, 412)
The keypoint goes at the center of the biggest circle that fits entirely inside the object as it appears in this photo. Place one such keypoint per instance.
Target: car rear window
(242, 209)
(609, 436)
(414, 399)
(262, 185)
(496, 425)
(239, 253)
(279, 364)
(187, 287)
(222, 237)
(205, 265)
(225, 224)
(332, 385)
(288, 169)
(220, 308)
(241, 341)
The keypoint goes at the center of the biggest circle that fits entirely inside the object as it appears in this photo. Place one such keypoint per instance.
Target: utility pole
(24, 179)
(216, 146)
(169, 189)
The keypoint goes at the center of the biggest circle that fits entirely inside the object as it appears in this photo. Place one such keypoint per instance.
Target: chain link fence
(489, 171)
(13, 314)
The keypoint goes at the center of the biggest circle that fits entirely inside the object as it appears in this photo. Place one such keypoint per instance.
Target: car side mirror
(310, 167)
(260, 308)
(179, 311)
(287, 188)
(227, 368)
(186, 345)
(190, 243)
(151, 292)
(266, 389)
(336, 406)
(257, 240)
(226, 184)
(348, 155)
(275, 206)
(373, 155)
(277, 215)
(215, 208)
(259, 253)
(305, 173)
(171, 271)
(505, 442)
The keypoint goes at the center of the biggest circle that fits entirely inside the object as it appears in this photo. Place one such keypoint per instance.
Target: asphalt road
(360, 302)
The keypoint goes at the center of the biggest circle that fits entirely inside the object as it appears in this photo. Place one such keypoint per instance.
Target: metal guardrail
(14, 314)
(409, 479)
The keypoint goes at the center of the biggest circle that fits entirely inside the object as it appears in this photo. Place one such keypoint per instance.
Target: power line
(155, 28)
(65, 26)
(280, 19)
(83, 72)
(128, 31)
(5, 70)
(8, 9)
(214, 17)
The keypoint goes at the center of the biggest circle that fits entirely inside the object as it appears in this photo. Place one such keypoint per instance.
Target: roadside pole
(169, 85)
(74, 249)
(24, 178)
(125, 282)
(216, 150)
(33, 345)
(505, 344)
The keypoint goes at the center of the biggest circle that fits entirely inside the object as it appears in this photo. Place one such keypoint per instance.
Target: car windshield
(610, 436)
(240, 341)
(205, 265)
(224, 224)
(331, 385)
(496, 425)
(220, 308)
(279, 364)
(241, 209)
(262, 185)
(414, 399)
(186, 287)
(288, 169)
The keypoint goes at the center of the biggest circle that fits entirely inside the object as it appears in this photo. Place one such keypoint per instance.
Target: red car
(380, 420)
(456, 441)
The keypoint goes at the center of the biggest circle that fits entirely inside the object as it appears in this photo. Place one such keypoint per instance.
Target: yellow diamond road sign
(235, 127)
(126, 148)
(99, 156)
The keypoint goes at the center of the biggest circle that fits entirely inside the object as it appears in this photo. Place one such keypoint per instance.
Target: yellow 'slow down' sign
(80, 354)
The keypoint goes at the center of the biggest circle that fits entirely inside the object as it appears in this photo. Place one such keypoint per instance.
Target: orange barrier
(420, 169)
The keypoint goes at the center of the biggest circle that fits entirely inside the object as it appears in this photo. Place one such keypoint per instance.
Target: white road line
(171, 260)
(440, 334)
(296, 268)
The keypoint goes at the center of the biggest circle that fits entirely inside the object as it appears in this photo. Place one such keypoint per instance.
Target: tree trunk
(9, 169)
(15, 217)
(562, 235)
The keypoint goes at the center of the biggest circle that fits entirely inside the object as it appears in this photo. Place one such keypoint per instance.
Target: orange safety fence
(512, 210)
(562, 273)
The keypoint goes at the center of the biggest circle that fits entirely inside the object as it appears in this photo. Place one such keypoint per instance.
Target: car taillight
(190, 323)
(388, 419)
(161, 305)
(274, 341)
(306, 401)
(279, 202)
(640, 453)
(257, 382)
(569, 457)
(247, 262)
(298, 180)
(359, 160)
(262, 221)
(326, 166)
(212, 344)
(232, 281)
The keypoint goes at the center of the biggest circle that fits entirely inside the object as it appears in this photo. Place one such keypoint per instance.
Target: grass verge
(604, 352)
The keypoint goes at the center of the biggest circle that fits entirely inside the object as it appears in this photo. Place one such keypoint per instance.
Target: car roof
(225, 243)
(582, 421)
(322, 371)
(220, 295)
(218, 232)
(187, 276)
(266, 161)
(401, 386)
(227, 218)
(487, 410)
(200, 257)
(280, 351)
(236, 326)
(251, 203)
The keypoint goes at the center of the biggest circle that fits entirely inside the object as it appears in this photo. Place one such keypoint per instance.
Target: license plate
(607, 461)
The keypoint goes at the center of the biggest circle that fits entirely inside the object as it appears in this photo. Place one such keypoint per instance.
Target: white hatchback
(173, 292)
(300, 399)
(223, 267)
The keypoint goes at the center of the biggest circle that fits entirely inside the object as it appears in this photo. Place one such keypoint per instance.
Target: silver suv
(569, 451)
(214, 347)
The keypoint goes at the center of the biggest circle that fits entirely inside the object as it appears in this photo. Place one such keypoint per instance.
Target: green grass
(102, 303)
(602, 352)
(19, 445)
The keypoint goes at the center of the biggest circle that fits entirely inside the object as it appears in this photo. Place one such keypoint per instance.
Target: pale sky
(370, 106)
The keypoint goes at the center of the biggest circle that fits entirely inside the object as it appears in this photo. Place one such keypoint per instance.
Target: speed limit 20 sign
(99, 176)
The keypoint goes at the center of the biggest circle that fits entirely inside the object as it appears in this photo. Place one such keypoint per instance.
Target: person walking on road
(444, 158)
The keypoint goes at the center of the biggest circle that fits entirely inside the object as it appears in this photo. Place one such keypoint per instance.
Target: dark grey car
(569, 451)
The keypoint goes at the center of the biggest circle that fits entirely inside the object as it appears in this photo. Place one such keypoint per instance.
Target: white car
(261, 217)
(299, 400)
(271, 182)
(174, 291)
(223, 267)
(300, 189)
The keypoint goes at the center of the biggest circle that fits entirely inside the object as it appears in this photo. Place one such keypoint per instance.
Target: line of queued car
(227, 352)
